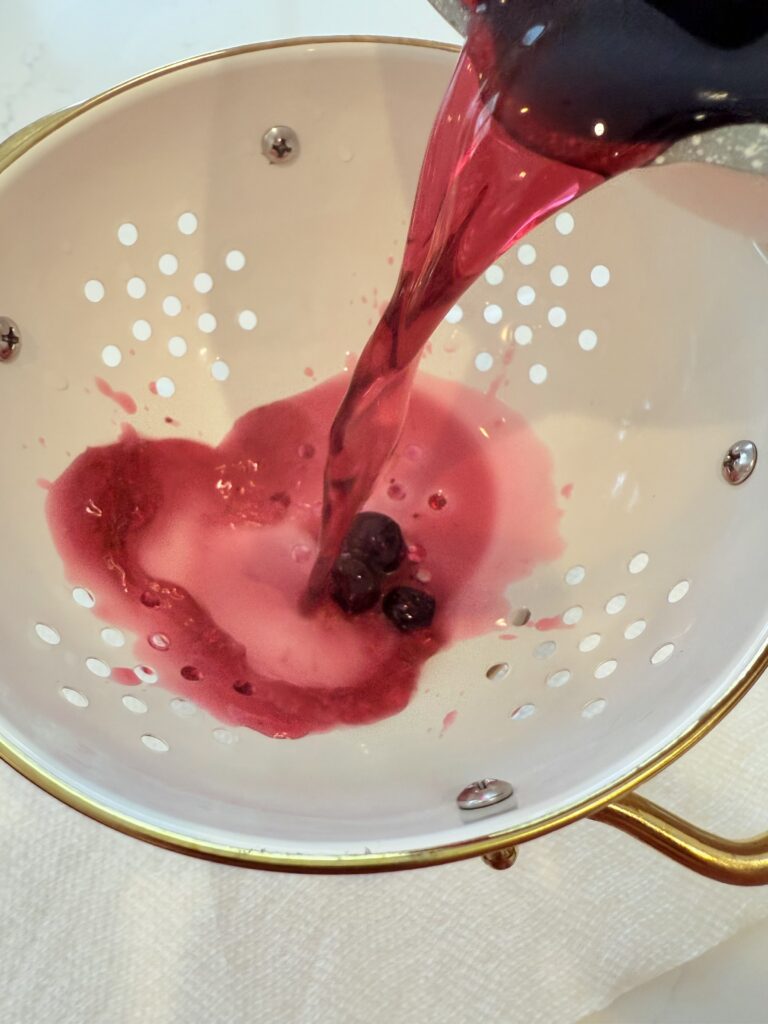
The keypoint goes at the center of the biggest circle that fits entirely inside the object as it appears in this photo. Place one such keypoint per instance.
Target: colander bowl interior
(153, 243)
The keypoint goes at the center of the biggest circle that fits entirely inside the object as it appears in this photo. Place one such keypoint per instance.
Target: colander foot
(500, 860)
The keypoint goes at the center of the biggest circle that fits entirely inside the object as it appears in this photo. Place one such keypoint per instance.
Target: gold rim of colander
(11, 150)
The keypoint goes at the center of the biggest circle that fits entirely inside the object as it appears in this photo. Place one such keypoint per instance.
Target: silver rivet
(739, 462)
(10, 339)
(483, 793)
(280, 145)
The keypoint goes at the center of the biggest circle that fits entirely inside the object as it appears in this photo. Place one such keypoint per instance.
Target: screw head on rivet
(280, 144)
(10, 339)
(484, 793)
(739, 462)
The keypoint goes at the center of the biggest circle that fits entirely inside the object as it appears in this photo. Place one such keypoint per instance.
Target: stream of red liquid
(478, 193)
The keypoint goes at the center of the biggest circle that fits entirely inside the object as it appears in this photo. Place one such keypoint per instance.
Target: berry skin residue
(204, 554)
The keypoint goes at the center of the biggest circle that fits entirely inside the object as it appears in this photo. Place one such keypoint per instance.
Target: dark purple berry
(376, 540)
(354, 587)
(409, 608)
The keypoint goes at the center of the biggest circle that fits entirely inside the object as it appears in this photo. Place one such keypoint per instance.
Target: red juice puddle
(124, 400)
(194, 549)
(46, 485)
(567, 491)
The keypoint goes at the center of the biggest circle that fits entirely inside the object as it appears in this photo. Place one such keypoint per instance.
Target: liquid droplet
(159, 641)
(437, 501)
(194, 675)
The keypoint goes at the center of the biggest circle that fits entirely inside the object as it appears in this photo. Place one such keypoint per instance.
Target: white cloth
(98, 927)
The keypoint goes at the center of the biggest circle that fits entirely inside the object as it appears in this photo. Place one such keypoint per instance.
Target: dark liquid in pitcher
(548, 100)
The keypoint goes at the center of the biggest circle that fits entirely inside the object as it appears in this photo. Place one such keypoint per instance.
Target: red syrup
(194, 549)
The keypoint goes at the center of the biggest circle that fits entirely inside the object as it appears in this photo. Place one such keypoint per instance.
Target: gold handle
(738, 862)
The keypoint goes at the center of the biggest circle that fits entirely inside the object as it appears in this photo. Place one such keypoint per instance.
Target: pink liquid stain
(122, 399)
(448, 721)
(125, 676)
(545, 625)
(567, 491)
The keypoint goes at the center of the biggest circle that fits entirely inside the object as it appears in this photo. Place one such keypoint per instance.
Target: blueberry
(354, 586)
(409, 608)
(376, 540)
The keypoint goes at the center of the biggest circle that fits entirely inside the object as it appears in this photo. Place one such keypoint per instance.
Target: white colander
(637, 319)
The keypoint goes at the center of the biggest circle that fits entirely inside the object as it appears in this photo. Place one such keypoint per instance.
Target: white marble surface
(56, 52)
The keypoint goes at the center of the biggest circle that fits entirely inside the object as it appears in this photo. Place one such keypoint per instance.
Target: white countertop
(57, 52)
